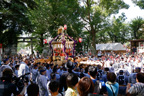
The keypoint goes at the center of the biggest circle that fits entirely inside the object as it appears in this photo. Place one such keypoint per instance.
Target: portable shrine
(62, 46)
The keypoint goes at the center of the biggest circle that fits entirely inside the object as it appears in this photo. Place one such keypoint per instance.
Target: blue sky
(133, 11)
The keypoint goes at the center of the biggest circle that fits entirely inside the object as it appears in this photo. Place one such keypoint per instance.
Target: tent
(111, 47)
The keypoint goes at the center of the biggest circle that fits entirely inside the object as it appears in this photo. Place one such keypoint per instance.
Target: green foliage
(88, 19)
(136, 26)
(14, 19)
(139, 3)
(49, 15)
(96, 14)
(118, 31)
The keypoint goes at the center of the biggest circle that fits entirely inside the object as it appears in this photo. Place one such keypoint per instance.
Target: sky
(133, 11)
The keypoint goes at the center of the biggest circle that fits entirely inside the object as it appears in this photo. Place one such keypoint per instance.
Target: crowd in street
(115, 75)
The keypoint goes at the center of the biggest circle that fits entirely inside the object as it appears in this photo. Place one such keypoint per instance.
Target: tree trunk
(41, 41)
(135, 35)
(93, 39)
(92, 31)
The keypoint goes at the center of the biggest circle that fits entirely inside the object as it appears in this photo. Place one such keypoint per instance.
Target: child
(71, 81)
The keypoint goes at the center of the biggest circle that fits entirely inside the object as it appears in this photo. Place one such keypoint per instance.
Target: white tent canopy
(110, 46)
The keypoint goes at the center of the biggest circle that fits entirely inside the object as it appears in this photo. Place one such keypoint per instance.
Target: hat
(121, 71)
(42, 69)
(69, 64)
(6, 60)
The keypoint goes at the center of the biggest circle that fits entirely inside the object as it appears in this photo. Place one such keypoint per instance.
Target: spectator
(111, 85)
(138, 88)
(122, 80)
(132, 77)
(69, 66)
(104, 77)
(54, 87)
(7, 87)
(99, 87)
(71, 81)
(33, 90)
(85, 86)
(53, 78)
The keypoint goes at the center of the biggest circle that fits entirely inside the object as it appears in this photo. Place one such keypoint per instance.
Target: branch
(87, 29)
(85, 20)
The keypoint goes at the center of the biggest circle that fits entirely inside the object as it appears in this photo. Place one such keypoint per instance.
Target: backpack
(96, 87)
(100, 74)
(99, 87)
(121, 80)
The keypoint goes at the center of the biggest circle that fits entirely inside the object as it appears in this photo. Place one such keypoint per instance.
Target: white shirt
(23, 69)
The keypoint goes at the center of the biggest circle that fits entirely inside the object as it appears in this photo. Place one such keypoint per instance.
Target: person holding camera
(7, 86)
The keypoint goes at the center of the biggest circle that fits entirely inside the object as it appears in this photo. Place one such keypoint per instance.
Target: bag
(97, 87)
(121, 80)
(112, 90)
(99, 76)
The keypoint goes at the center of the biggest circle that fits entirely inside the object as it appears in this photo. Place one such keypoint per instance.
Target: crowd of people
(115, 75)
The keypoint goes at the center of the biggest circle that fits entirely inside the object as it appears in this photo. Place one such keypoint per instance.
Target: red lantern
(65, 27)
(45, 41)
(80, 40)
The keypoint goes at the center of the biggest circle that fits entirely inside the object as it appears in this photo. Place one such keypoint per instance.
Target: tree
(139, 3)
(50, 15)
(95, 13)
(118, 31)
(14, 20)
(136, 26)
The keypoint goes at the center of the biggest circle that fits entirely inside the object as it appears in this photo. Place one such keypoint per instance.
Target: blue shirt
(86, 74)
(132, 78)
(48, 72)
(115, 88)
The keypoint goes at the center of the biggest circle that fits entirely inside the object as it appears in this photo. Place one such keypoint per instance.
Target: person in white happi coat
(23, 68)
